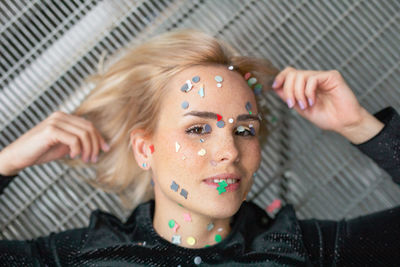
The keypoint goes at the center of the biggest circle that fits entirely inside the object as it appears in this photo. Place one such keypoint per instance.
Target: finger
(299, 89)
(64, 137)
(281, 77)
(288, 88)
(311, 88)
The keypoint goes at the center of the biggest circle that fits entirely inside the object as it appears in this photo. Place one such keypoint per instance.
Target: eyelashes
(206, 129)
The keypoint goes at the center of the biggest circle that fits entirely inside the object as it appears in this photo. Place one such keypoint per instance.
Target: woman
(180, 111)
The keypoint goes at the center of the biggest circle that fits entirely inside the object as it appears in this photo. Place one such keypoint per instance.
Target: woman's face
(196, 141)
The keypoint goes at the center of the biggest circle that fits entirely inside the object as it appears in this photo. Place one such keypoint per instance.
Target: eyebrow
(212, 115)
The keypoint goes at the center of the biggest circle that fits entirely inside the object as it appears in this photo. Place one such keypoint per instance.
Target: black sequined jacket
(255, 240)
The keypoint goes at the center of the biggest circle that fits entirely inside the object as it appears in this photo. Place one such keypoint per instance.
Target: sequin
(230, 67)
(210, 226)
(187, 217)
(176, 239)
(174, 186)
(197, 260)
(184, 193)
(191, 240)
(220, 124)
(207, 128)
(218, 238)
(219, 85)
(218, 79)
(251, 81)
(201, 152)
(230, 120)
(196, 79)
(201, 91)
(185, 105)
(171, 223)
(247, 76)
(177, 146)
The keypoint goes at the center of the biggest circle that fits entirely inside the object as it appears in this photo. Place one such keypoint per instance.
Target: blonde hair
(128, 96)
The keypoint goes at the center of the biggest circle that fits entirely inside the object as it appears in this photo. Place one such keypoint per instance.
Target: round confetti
(196, 79)
(144, 165)
(251, 81)
(197, 260)
(230, 120)
(185, 104)
(191, 240)
(220, 124)
(219, 85)
(247, 76)
(218, 238)
(184, 87)
(201, 152)
(230, 67)
(220, 229)
(218, 79)
(171, 223)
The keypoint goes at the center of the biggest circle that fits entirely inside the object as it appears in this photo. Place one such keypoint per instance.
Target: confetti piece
(196, 79)
(276, 204)
(189, 85)
(248, 106)
(240, 129)
(214, 163)
(210, 226)
(171, 223)
(207, 128)
(187, 217)
(201, 91)
(221, 187)
(230, 67)
(230, 120)
(207, 246)
(185, 105)
(201, 140)
(151, 149)
(251, 81)
(176, 226)
(252, 131)
(197, 260)
(152, 182)
(177, 146)
(247, 76)
(174, 186)
(218, 238)
(184, 193)
(184, 87)
(176, 239)
(191, 240)
(180, 205)
(218, 79)
(220, 229)
(144, 165)
(219, 85)
(258, 89)
(201, 152)
(220, 124)
(219, 117)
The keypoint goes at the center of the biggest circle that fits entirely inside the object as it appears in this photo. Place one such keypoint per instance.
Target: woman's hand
(324, 98)
(55, 137)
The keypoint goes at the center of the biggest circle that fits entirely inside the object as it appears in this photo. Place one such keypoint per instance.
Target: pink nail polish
(310, 102)
(289, 103)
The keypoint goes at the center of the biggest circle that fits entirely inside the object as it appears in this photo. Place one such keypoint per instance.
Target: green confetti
(171, 223)
(218, 238)
(221, 187)
(207, 246)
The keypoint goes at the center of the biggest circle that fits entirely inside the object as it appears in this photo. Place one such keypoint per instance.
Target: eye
(199, 129)
(245, 131)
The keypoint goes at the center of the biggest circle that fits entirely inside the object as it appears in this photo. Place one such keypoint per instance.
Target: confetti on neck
(230, 120)
(196, 79)
(144, 165)
(201, 91)
(176, 226)
(184, 193)
(218, 238)
(218, 79)
(230, 67)
(177, 146)
(251, 81)
(176, 239)
(191, 240)
(151, 149)
(247, 76)
(185, 104)
(201, 152)
(276, 204)
(171, 223)
(219, 85)
(213, 163)
(174, 186)
(187, 217)
(221, 187)
(210, 226)
(220, 124)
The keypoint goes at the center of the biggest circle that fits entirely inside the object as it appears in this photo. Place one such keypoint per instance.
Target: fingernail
(85, 160)
(310, 102)
(94, 160)
(301, 104)
(289, 103)
(274, 84)
(106, 147)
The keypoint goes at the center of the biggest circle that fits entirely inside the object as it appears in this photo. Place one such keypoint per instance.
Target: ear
(140, 146)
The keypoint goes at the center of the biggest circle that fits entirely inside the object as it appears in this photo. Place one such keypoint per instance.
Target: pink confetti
(247, 76)
(186, 217)
(276, 204)
(175, 227)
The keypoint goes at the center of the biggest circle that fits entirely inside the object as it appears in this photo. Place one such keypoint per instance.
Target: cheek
(251, 155)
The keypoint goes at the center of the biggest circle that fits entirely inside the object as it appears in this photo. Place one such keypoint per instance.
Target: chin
(222, 208)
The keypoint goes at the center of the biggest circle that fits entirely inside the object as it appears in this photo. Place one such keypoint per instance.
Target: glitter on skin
(247, 76)
(151, 149)
(171, 223)
(230, 67)
(219, 85)
(207, 128)
(218, 238)
(201, 140)
(144, 165)
(196, 79)
(210, 226)
(251, 81)
(176, 226)
(201, 91)
(177, 146)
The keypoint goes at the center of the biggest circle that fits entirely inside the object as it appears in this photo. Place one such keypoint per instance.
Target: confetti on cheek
(191, 240)
(177, 146)
(184, 193)
(276, 204)
(171, 223)
(220, 229)
(176, 239)
(187, 217)
(201, 152)
(151, 149)
(201, 140)
(210, 226)
(174, 186)
(230, 120)
(185, 105)
(220, 124)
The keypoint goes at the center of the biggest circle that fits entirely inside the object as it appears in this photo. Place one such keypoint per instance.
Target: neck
(204, 230)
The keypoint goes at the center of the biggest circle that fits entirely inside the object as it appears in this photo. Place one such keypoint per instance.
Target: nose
(227, 150)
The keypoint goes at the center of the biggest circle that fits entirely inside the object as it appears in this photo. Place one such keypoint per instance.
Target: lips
(232, 180)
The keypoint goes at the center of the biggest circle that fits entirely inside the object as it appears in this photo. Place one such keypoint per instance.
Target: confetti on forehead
(218, 79)
(196, 79)
(230, 120)
(201, 91)
(230, 67)
(220, 124)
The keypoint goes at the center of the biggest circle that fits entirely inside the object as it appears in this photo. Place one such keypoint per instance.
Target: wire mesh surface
(49, 47)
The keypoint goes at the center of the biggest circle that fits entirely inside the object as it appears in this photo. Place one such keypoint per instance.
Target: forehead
(228, 100)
